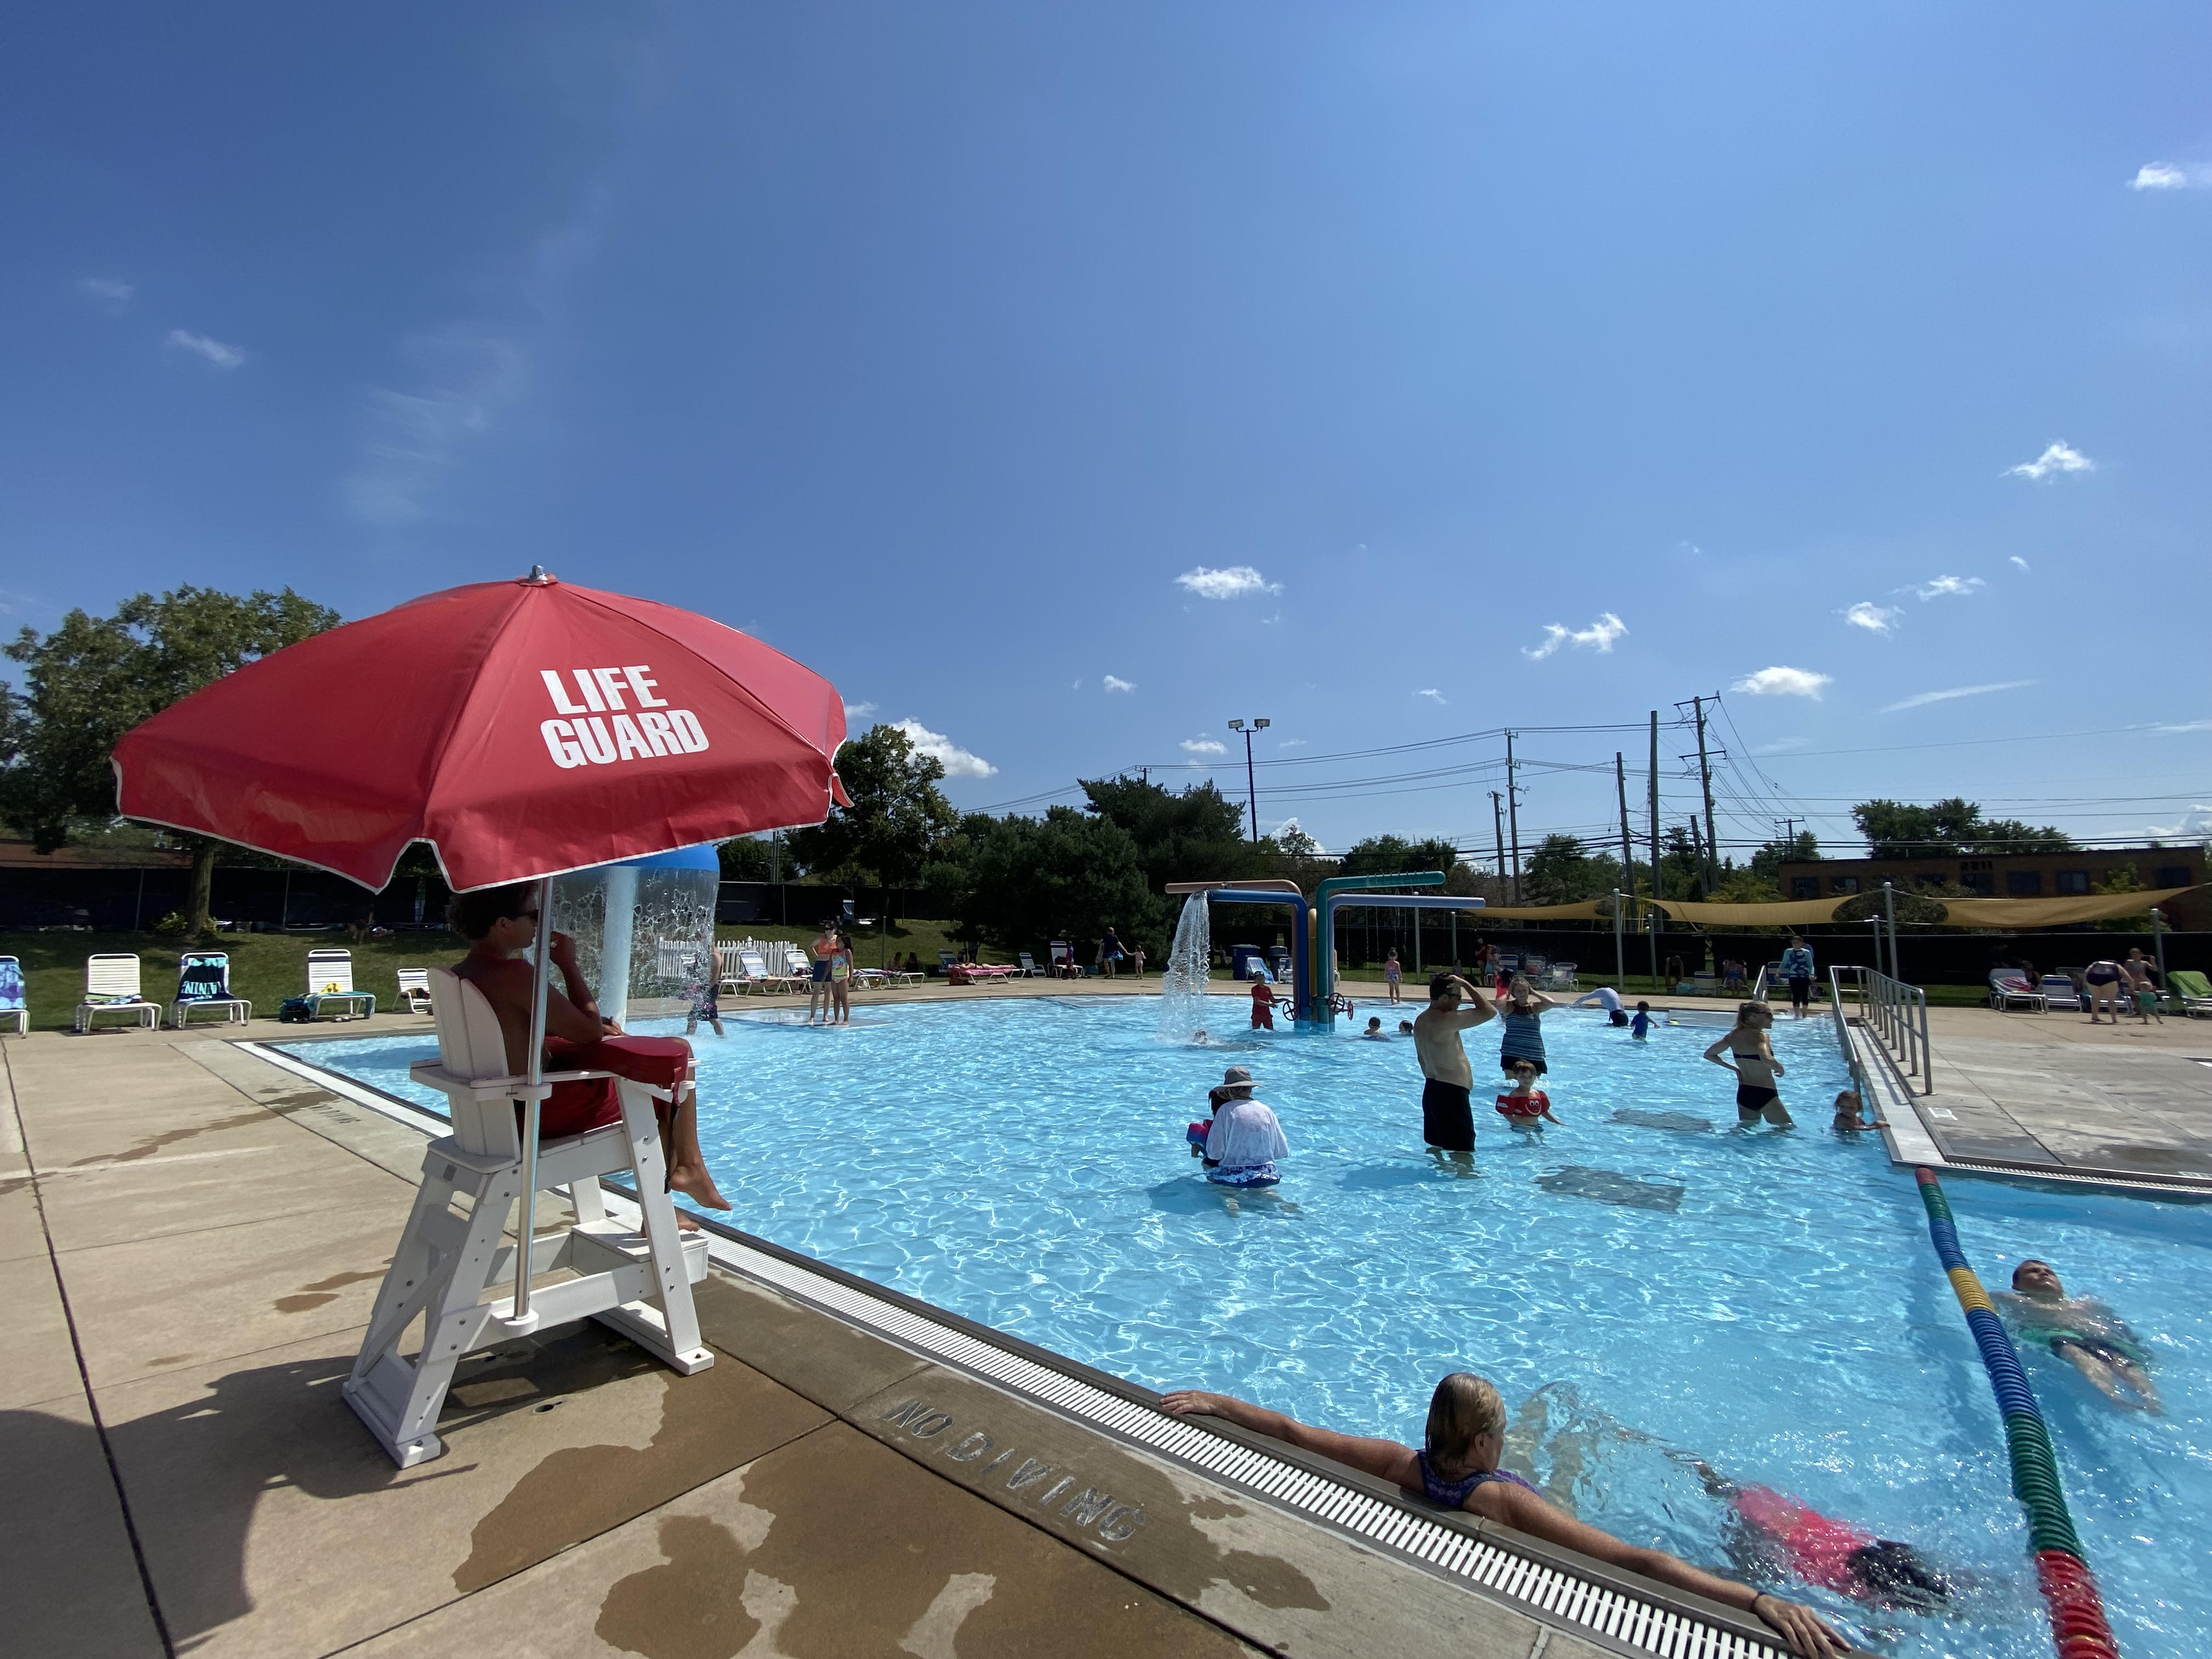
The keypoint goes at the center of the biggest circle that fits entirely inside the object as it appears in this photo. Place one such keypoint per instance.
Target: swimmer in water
(1457, 1467)
(1375, 1032)
(1404, 1028)
(1851, 1115)
(1527, 1108)
(2082, 1331)
(1772, 1534)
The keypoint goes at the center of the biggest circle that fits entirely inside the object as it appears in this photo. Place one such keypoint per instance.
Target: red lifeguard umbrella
(522, 728)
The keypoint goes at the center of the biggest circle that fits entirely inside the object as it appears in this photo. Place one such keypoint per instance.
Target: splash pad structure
(1313, 936)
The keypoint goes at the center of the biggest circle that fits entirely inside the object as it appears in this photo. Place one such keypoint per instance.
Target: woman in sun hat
(1245, 1138)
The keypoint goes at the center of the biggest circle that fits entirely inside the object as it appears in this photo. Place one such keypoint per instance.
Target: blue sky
(1854, 365)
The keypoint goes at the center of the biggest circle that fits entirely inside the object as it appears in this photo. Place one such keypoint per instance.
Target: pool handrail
(1897, 1014)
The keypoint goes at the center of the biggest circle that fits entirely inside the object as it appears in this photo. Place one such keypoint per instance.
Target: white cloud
(1945, 588)
(2185, 726)
(1598, 636)
(2017, 560)
(413, 439)
(1781, 745)
(110, 294)
(2166, 175)
(1431, 694)
(1290, 824)
(1957, 691)
(2195, 824)
(221, 356)
(1233, 582)
(856, 711)
(1291, 743)
(1874, 618)
(958, 762)
(2060, 457)
(1779, 682)
(1204, 746)
(1115, 683)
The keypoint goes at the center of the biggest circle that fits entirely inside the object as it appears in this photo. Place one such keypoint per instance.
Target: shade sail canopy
(2052, 912)
(1790, 913)
(523, 728)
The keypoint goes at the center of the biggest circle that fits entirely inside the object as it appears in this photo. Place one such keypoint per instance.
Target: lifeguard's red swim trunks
(593, 1102)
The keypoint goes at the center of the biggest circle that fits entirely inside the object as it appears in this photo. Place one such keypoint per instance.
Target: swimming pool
(1767, 1302)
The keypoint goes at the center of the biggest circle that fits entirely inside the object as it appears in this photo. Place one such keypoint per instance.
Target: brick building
(2012, 875)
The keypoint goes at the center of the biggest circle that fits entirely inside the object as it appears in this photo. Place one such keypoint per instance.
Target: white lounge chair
(1561, 977)
(2008, 986)
(329, 979)
(2058, 992)
(1030, 969)
(414, 990)
(639, 1282)
(203, 987)
(110, 987)
(13, 1009)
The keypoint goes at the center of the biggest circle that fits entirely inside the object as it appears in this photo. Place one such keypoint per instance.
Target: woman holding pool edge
(1458, 1467)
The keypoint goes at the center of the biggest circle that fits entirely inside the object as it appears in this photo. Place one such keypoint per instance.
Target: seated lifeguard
(500, 923)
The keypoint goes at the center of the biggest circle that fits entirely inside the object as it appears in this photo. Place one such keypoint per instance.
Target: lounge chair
(798, 969)
(329, 979)
(753, 975)
(2058, 992)
(727, 967)
(1561, 977)
(639, 1282)
(203, 986)
(110, 987)
(12, 1005)
(1060, 956)
(2189, 988)
(2008, 986)
(414, 990)
(1030, 969)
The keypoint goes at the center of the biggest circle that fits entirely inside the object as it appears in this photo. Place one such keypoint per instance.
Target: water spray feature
(1183, 984)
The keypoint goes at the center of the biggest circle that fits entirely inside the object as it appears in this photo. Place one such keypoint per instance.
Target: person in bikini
(1457, 1468)
(2081, 1330)
(1447, 1114)
(817, 974)
(1754, 1065)
(500, 923)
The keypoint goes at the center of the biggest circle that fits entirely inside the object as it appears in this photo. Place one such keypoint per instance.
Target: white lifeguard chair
(452, 1250)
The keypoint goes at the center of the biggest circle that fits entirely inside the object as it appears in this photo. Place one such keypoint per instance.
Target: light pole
(1251, 789)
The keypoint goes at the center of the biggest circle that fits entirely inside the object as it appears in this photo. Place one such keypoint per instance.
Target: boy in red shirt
(1527, 1107)
(1263, 1006)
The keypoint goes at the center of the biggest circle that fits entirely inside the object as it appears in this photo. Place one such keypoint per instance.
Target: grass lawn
(266, 968)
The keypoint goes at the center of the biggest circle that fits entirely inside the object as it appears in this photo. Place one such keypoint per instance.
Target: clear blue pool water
(1023, 1163)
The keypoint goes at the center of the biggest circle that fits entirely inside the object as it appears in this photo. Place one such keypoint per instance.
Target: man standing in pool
(1447, 1114)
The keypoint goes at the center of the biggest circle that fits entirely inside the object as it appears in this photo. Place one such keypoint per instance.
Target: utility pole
(1709, 856)
(1251, 789)
(1513, 814)
(1498, 827)
(1656, 913)
(1627, 862)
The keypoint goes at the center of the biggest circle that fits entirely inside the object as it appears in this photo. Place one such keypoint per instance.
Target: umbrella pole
(534, 1075)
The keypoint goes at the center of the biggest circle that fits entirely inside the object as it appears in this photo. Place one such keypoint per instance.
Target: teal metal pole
(1324, 968)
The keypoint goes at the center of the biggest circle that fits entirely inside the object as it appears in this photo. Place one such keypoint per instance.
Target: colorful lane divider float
(2070, 1589)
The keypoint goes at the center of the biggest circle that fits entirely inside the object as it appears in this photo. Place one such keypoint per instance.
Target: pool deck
(189, 1240)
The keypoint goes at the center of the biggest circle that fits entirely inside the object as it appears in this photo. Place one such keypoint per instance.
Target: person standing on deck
(1797, 968)
(817, 973)
(1447, 1111)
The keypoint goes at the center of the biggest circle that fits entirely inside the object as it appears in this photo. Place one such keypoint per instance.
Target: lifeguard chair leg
(443, 1263)
(671, 1331)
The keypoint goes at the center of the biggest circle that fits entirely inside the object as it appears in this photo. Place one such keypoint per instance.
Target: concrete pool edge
(1522, 1577)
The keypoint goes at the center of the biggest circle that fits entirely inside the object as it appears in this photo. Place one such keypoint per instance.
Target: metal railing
(1897, 1013)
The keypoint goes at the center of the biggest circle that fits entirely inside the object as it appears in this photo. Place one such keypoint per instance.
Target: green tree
(1766, 863)
(1948, 828)
(95, 678)
(1068, 875)
(897, 816)
(1195, 834)
(745, 858)
(1562, 871)
(1391, 855)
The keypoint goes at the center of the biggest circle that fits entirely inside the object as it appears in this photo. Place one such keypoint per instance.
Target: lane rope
(2078, 1625)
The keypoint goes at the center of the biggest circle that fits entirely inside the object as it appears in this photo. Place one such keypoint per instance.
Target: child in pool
(1404, 1028)
(1640, 1027)
(1851, 1115)
(1527, 1107)
(1263, 1006)
(1375, 1032)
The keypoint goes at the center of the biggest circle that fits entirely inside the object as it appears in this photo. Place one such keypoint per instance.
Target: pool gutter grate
(1512, 1573)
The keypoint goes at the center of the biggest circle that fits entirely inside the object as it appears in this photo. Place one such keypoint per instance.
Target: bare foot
(694, 1183)
(686, 1223)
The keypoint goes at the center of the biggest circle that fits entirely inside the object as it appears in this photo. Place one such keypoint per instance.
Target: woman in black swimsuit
(1751, 1058)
